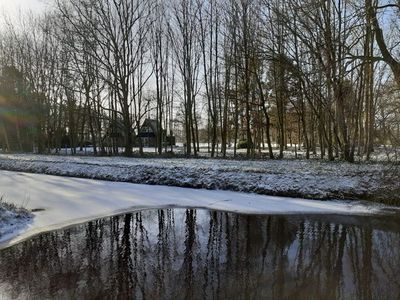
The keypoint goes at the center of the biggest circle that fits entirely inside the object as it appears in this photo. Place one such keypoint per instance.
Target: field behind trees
(244, 77)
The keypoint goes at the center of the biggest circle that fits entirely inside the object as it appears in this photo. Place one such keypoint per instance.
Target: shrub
(243, 144)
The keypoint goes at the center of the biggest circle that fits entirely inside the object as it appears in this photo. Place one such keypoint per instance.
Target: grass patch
(10, 212)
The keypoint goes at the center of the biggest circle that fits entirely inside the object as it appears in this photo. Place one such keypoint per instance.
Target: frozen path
(68, 201)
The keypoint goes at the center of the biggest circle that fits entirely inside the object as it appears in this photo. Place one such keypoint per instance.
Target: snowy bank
(61, 201)
(13, 219)
(292, 178)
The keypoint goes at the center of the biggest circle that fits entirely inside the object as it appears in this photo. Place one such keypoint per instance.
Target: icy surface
(294, 178)
(62, 201)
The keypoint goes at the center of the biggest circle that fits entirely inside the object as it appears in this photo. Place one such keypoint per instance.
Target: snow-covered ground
(382, 153)
(293, 178)
(61, 201)
(13, 219)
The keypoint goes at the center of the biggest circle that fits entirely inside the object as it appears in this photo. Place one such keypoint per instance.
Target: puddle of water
(200, 254)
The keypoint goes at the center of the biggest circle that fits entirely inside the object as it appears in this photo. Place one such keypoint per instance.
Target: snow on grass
(382, 153)
(13, 219)
(296, 178)
(61, 201)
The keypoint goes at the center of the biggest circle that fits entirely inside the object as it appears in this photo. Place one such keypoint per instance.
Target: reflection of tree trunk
(161, 243)
(366, 273)
(94, 240)
(337, 271)
(188, 254)
(212, 274)
(281, 238)
(246, 273)
(300, 251)
(164, 251)
(125, 280)
(264, 252)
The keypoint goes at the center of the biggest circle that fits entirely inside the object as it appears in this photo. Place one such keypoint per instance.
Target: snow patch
(12, 220)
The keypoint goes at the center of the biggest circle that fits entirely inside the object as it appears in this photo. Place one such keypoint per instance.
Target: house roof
(151, 123)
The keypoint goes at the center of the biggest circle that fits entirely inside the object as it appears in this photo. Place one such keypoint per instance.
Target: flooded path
(202, 254)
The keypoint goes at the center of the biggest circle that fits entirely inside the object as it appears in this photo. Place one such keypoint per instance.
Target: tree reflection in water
(200, 254)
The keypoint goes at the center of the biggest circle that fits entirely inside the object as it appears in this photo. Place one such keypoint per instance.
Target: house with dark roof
(115, 133)
(148, 134)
